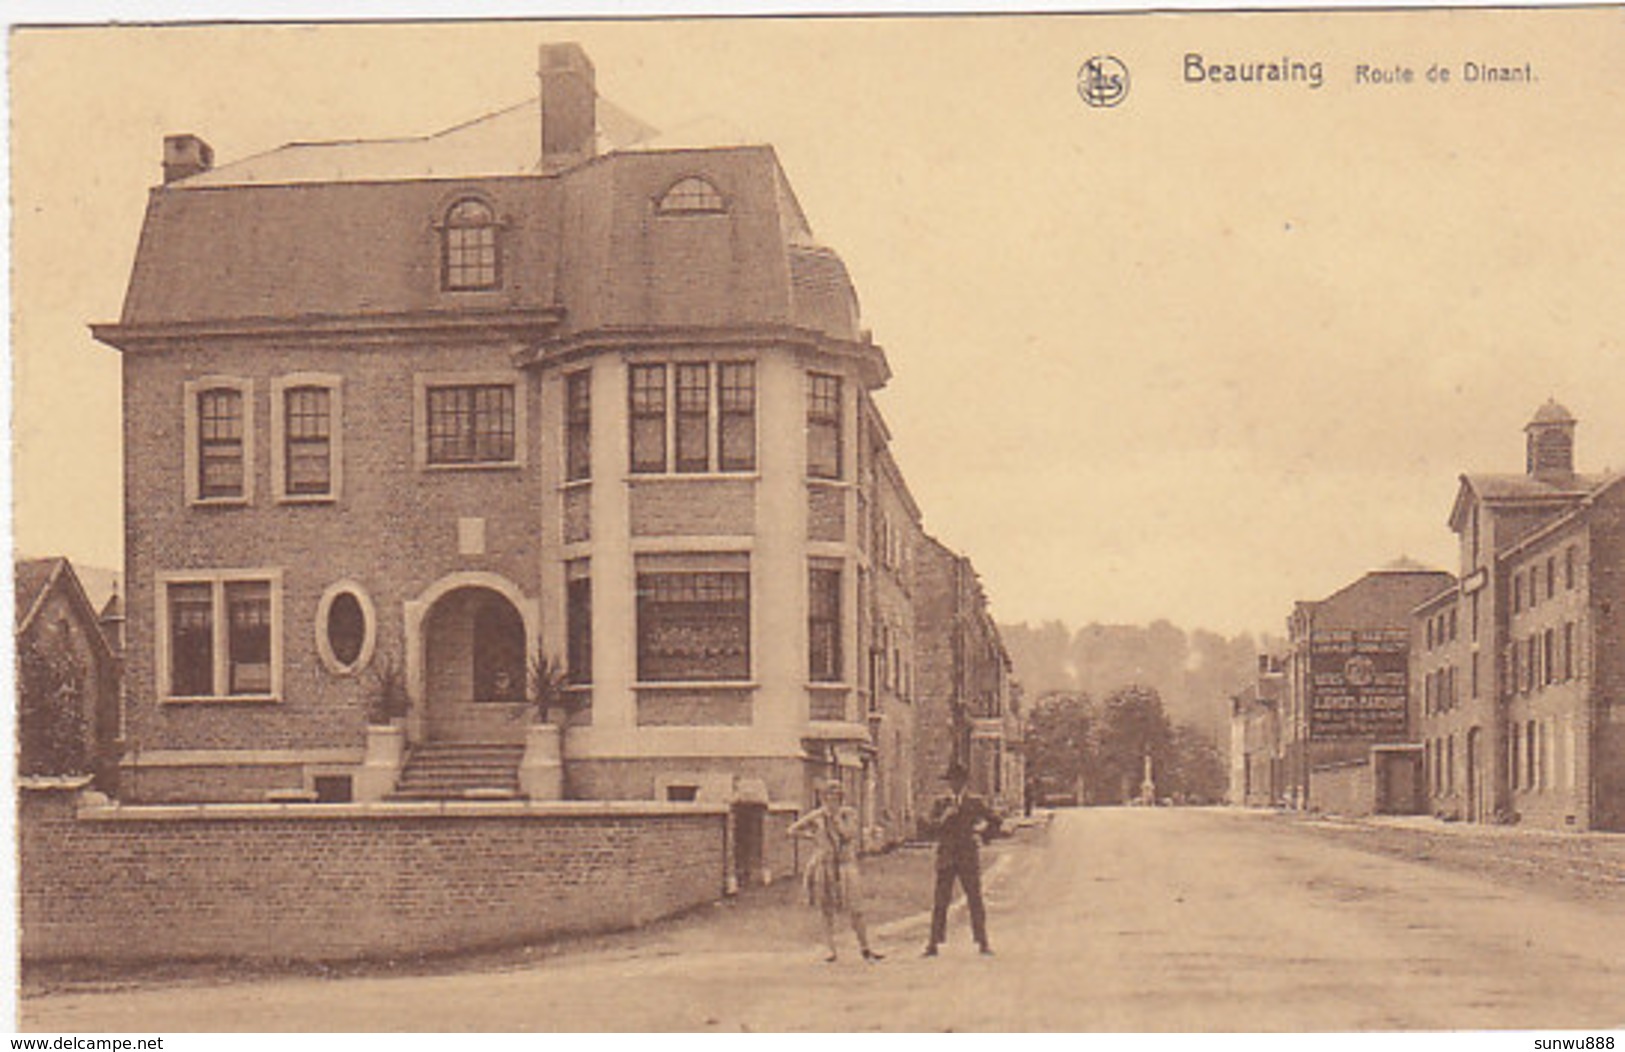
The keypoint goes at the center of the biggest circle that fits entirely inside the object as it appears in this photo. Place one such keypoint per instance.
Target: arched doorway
(475, 658)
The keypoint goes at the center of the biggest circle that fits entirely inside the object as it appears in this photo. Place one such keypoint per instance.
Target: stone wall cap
(392, 809)
(54, 783)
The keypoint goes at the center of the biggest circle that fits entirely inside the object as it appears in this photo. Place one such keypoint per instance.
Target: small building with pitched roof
(68, 676)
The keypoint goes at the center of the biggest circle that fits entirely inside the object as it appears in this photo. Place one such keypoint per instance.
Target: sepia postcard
(1101, 522)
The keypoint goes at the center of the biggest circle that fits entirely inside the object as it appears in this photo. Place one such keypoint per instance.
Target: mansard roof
(335, 234)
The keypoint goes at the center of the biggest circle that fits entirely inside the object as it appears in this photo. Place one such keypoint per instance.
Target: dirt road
(1120, 920)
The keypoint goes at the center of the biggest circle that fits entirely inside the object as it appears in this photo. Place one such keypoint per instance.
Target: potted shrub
(387, 702)
(387, 699)
(551, 703)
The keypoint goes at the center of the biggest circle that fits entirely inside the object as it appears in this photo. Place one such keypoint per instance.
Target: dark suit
(955, 823)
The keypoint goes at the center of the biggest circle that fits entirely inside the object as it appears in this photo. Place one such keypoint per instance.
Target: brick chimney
(186, 155)
(1550, 442)
(569, 105)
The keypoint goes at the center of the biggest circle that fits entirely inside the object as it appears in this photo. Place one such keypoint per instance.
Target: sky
(1196, 356)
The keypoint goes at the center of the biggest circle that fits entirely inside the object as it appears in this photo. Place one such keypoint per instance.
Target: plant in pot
(551, 700)
(386, 693)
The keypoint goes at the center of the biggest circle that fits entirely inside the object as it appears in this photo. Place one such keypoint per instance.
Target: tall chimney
(186, 155)
(1550, 442)
(569, 106)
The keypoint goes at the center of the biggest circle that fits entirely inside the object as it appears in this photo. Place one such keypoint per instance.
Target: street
(1113, 920)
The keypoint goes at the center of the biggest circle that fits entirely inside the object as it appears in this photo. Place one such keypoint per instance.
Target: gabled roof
(35, 580)
(1405, 564)
(1509, 489)
(1559, 522)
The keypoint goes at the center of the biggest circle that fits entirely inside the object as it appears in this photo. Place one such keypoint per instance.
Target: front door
(474, 668)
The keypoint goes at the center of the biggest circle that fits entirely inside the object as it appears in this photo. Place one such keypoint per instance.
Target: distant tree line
(1194, 673)
(1095, 753)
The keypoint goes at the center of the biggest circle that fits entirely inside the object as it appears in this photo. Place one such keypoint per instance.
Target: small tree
(51, 724)
(1133, 726)
(387, 697)
(547, 688)
(1198, 774)
(1060, 744)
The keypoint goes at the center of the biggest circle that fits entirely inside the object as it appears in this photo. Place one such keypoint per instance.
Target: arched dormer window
(468, 240)
(691, 196)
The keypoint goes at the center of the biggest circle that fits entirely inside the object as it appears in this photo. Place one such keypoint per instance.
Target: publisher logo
(1103, 81)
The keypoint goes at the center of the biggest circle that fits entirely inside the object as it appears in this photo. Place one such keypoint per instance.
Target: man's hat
(956, 772)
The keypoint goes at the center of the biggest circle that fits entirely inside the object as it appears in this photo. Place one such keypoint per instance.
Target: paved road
(1124, 920)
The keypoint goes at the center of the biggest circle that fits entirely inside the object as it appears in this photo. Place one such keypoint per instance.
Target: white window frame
(369, 633)
(334, 385)
(713, 432)
(217, 580)
(191, 458)
(422, 383)
(843, 437)
(683, 561)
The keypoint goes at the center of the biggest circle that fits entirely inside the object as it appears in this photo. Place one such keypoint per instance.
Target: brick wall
(393, 529)
(685, 507)
(241, 783)
(636, 778)
(936, 603)
(318, 882)
(826, 513)
(1348, 790)
(1607, 667)
(698, 707)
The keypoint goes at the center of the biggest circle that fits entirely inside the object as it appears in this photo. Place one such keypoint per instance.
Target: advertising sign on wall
(1357, 682)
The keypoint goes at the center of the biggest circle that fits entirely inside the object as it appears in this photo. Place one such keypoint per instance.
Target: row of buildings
(534, 457)
(1492, 694)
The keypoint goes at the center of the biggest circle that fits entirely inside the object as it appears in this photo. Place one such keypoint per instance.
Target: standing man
(958, 820)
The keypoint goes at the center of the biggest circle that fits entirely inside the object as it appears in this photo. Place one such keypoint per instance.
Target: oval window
(346, 628)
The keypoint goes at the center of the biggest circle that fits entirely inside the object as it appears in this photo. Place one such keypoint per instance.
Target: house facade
(1255, 737)
(1521, 696)
(969, 703)
(1347, 744)
(415, 427)
(890, 537)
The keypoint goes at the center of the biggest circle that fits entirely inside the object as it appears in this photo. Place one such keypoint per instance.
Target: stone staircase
(460, 771)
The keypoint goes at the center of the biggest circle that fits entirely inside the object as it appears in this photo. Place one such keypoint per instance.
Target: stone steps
(459, 771)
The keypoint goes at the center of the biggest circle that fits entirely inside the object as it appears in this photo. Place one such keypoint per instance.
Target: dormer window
(691, 196)
(468, 240)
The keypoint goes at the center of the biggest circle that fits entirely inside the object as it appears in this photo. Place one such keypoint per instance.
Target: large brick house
(1520, 684)
(407, 422)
